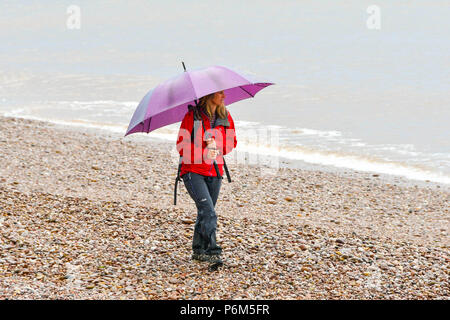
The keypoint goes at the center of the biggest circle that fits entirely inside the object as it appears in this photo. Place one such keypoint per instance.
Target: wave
(364, 163)
(309, 154)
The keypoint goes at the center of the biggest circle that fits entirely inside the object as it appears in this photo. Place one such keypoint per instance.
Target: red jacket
(194, 152)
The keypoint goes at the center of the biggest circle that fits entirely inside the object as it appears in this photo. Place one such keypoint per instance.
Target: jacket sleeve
(184, 134)
(229, 139)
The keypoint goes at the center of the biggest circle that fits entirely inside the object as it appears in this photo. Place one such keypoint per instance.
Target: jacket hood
(223, 122)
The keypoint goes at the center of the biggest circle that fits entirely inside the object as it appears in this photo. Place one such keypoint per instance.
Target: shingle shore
(84, 216)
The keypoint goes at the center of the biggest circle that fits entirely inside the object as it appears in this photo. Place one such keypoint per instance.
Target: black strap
(226, 169)
(176, 183)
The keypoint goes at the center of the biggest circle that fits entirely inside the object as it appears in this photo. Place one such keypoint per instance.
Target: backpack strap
(176, 183)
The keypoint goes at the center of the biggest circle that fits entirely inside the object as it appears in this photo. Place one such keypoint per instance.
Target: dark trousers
(204, 191)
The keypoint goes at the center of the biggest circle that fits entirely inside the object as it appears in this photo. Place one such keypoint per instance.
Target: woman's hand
(212, 148)
(212, 153)
(211, 143)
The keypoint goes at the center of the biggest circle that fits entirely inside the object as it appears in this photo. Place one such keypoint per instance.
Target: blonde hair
(205, 102)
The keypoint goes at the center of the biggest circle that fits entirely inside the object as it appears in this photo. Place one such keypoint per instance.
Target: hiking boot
(214, 262)
(200, 257)
(215, 258)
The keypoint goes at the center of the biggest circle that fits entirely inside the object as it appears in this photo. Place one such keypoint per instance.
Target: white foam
(309, 155)
(97, 102)
(242, 123)
(358, 144)
(14, 113)
(364, 163)
(168, 135)
(306, 131)
(346, 160)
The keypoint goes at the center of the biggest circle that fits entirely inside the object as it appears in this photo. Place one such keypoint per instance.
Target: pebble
(174, 280)
(116, 234)
(290, 254)
(187, 221)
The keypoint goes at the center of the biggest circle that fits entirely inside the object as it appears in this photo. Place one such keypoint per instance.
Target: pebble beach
(86, 215)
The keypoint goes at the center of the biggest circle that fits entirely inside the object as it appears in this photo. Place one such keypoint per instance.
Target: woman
(199, 149)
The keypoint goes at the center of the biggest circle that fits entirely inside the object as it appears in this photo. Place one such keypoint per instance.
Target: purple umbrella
(168, 102)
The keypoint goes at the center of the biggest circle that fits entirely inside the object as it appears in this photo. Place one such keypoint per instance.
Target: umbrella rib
(148, 127)
(192, 84)
(247, 92)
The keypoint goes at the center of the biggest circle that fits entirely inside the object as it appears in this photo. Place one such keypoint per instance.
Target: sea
(362, 85)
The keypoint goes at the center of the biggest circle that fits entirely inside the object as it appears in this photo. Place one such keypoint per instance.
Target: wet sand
(85, 215)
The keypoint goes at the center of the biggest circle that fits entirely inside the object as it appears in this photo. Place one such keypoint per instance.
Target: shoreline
(283, 161)
(76, 199)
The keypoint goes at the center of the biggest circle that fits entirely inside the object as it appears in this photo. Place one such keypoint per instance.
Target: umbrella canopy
(168, 102)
